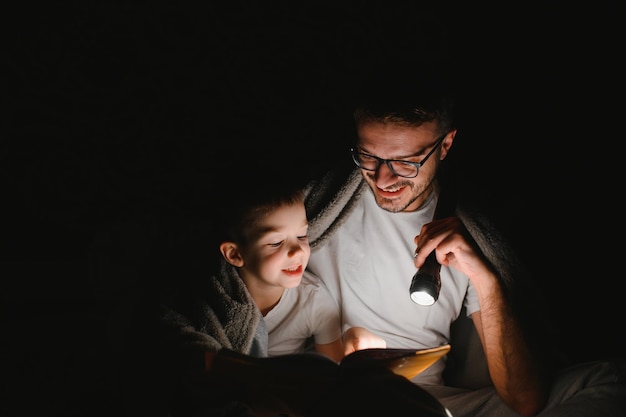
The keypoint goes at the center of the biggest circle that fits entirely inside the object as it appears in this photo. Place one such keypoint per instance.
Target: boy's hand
(358, 338)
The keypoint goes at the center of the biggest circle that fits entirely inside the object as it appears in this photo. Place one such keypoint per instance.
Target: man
(372, 225)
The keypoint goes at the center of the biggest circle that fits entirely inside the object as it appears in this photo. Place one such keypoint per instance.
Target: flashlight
(426, 282)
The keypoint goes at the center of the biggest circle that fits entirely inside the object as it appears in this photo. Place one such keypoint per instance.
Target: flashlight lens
(422, 298)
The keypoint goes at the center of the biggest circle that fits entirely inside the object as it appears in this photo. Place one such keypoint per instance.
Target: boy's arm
(334, 350)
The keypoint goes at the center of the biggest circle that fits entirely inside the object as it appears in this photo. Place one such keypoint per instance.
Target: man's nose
(384, 175)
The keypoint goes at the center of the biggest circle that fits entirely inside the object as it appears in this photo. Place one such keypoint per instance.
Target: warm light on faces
(389, 141)
(278, 249)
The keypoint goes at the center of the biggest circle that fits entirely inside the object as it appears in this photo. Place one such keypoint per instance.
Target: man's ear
(447, 144)
(231, 253)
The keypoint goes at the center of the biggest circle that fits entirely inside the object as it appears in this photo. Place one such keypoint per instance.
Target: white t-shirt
(304, 311)
(367, 265)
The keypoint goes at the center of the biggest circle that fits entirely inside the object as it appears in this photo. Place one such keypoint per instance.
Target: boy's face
(278, 249)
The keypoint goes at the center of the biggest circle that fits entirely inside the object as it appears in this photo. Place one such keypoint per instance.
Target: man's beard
(395, 205)
(399, 205)
(392, 206)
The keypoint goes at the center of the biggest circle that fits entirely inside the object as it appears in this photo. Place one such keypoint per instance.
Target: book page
(406, 362)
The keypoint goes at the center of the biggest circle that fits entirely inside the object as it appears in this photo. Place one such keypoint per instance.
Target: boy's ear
(231, 253)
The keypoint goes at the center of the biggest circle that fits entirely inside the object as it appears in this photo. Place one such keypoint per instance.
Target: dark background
(121, 119)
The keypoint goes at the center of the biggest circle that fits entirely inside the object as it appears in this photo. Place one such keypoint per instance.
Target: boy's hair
(246, 208)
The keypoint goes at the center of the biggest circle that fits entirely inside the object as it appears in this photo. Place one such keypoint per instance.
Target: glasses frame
(355, 152)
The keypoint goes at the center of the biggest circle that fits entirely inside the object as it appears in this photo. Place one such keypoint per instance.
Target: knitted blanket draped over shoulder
(221, 314)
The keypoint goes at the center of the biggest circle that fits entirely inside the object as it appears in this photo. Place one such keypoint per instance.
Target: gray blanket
(221, 314)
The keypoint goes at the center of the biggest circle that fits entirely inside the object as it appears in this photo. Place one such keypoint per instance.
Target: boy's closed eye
(303, 238)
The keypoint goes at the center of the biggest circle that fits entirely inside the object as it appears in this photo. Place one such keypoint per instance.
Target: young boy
(265, 239)
(254, 302)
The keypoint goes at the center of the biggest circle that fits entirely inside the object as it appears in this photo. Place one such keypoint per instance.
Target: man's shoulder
(329, 200)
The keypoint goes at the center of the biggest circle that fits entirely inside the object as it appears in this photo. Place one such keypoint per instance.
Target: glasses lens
(404, 169)
(370, 163)
(365, 161)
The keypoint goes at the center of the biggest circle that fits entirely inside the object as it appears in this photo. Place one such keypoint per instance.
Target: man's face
(391, 141)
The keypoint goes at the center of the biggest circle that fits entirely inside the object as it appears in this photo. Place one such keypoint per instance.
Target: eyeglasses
(399, 167)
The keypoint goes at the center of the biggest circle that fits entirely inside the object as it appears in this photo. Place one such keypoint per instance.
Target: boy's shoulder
(309, 281)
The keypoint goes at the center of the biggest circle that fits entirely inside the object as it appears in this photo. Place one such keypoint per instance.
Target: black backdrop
(115, 112)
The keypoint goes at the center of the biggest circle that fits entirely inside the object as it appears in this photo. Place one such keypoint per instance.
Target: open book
(297, 383)
(406, 362)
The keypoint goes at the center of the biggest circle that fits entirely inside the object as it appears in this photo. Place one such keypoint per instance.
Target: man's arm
(516, 375)
(517, 372)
